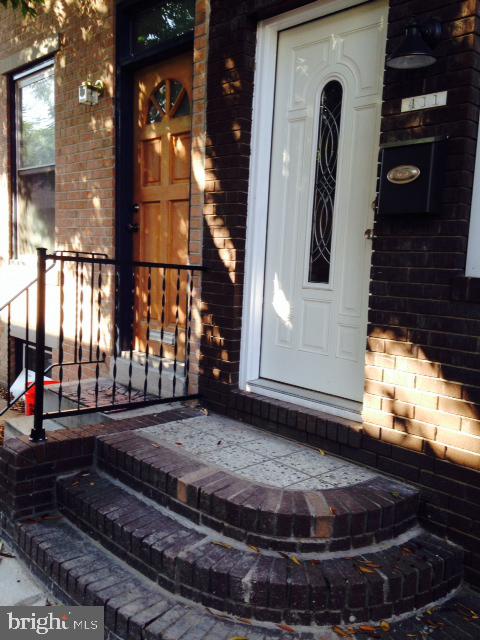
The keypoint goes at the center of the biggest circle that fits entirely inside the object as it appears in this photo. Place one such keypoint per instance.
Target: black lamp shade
(413, 52)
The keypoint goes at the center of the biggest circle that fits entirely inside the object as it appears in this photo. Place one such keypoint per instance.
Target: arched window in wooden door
(168, 100)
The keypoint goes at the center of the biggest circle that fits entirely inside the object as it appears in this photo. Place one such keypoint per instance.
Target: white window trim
(20, 80)
(472, 268)
(259, 187)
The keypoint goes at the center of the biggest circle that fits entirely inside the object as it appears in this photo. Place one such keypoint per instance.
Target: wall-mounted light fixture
(90, 92)
(415, 51)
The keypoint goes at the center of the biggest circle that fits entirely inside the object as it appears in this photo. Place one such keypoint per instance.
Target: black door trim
(126, 65)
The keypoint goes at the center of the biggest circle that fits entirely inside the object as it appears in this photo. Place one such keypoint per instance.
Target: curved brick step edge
(77, 572)
(333, 519)
(28, 471)
(244, 583)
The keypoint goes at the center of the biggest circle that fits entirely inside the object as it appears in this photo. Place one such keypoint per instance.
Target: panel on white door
(322, 182)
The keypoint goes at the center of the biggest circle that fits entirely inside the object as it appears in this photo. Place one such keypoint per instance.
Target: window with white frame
(33, 223)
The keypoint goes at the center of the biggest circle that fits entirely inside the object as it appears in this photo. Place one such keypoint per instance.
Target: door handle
(135, 208)
(368, 234)
(133, 227)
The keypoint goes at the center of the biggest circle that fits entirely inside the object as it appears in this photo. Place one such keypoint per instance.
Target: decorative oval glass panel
(168, 99)
(325, 182)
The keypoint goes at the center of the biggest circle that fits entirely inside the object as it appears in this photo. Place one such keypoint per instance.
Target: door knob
(136, 208)
(368, 234)
(133, 227)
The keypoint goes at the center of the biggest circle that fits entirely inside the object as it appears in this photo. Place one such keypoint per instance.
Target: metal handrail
(19, 293)
(65, 254)
(57, 255)
(119, 263)
(13, 402)
(124, 279)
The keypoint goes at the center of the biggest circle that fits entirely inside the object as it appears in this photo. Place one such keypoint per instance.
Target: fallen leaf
(221, 616)
(365, 569)
(222, 544)
(239, 638)
(342, 632)
(473, 615)
(179, 444)
(365, 628)
(244, 620)
(322, 452)
(395, 494)
(286, 627)
(370, 565)
(284, 555)
(406, 551)
(295, 560)
(333, 511)
(434, 625)
(385, 625)
(254, 548)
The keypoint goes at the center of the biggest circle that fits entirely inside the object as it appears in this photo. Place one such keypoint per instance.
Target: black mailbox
(411, 176)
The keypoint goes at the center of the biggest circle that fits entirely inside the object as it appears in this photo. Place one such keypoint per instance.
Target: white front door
(326, 126)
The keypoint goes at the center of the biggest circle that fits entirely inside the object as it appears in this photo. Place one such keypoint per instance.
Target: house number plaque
(427, 101)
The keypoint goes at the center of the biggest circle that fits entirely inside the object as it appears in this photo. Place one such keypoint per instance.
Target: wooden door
(162, 148)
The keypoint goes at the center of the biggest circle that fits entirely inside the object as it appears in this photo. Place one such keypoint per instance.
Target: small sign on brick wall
(427, 101)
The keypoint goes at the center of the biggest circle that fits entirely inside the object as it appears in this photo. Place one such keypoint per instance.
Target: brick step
(78, 572)
(332, 519)
(266, 586)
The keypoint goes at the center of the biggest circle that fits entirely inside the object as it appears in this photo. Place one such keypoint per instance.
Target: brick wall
(85, 145)
(422, 396)
(199, 110)
(85, 152)
(84, 135)
(423, 382)
(423, 360)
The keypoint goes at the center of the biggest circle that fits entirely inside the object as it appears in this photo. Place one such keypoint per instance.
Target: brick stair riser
(351, 518)
(256, 586)
(133, 610)
(77, 572)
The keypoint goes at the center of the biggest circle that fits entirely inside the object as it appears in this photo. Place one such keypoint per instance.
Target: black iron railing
(23, 299)
(157, 359)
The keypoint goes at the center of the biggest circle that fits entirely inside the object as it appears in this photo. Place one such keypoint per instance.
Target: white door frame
(258, 194)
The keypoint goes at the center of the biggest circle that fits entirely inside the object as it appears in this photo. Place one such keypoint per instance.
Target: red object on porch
(30, 398)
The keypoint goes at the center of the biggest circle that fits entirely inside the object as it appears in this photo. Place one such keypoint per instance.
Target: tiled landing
(256, 455)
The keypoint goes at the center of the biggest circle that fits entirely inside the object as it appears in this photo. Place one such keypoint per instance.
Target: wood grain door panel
(162, 147)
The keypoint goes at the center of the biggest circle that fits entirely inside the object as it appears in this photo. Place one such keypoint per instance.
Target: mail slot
(411, 176)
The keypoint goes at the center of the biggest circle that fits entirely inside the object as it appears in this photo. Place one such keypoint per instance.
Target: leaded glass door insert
(325, 182)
